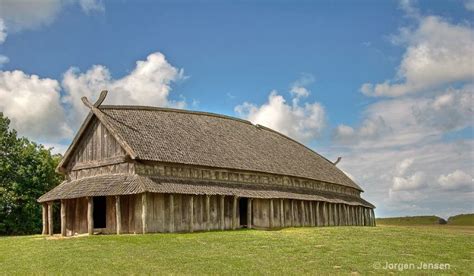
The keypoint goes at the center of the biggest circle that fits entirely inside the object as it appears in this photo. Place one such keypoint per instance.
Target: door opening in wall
(99, 212)
(243, 211)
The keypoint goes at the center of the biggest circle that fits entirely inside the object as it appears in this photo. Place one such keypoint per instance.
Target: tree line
(27, 171)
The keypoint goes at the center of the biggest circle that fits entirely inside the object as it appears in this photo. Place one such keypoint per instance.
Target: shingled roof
(212, 140)
(125, 184)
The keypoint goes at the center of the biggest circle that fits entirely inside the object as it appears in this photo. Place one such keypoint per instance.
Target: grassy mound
(416, 220)
(293, 251)
(463, 219)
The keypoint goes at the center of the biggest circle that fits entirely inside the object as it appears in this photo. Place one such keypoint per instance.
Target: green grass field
(415, 220)
(340, 250)
(464, 219)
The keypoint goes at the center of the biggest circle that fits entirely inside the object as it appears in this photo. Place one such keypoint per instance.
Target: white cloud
(20, 15)
(33, 105)
(298, 89)
(399, 151)
(89, 6)
(456, 180)
(404, 165)
(44, 110)
(451, 110)
(148, 84)
(302, 122)
(3, 31)
(469, 5)
(413, 182)
(436, 54)
(3, 60)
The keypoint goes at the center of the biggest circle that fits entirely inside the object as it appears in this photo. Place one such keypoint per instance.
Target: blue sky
(243, 59)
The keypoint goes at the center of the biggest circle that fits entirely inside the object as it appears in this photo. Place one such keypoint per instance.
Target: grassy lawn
(341, 250)
(464, 219)
(416, 220)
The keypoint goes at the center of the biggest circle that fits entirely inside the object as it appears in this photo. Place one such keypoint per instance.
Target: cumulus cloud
(456, 180)
(435, 55)
(371, 128)
(399, 152)
(3, 31)
(33, 105)
(89, 6)
(20, 15)
(469, 5)
(46, 110)
(3, 60)
(302, 122)
(451, 110)
(148, 84)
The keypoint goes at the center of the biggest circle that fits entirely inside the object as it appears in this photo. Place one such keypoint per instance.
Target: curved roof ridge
(205, 113)
(169, 109)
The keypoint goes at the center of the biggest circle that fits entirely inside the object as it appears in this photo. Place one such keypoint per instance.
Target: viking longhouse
(136, 169)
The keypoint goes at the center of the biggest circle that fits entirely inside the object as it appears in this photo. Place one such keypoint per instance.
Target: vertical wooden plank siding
(144, 213)
(282, 213)
(373, 217)
(90, 216)
(208, 212)
(311, 219)
(222, 205)
(234, 212)
(303, 219)
(45, 218)
(50, 218)
(191, 213)
(318, 222)
(171, 214)
(271, 213)
(292, 202)
(249, 213)
(63, 217)
(118, 215)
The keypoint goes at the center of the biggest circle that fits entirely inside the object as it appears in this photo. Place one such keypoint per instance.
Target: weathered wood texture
(185, 213)
(44, 208)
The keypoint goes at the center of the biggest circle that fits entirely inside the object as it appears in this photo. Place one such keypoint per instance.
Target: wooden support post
(144, 213)
(292, 218)
(346, 210)
(45, 218)
(303, 214)
(373, 217)
(50, 218)
(171, 218)
(341, 214)
(234, 212)
(63, 217)
(90, 215)
(208, 212)
(191, 213)
(282, 213)
(249, 213)
(325, 221)
(318, 222)
(271, 213)
(311, 219)
(222, 205)
(118, 215)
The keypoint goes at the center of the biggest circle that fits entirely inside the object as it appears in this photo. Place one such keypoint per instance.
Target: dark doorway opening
(99, 212)
(243, 211)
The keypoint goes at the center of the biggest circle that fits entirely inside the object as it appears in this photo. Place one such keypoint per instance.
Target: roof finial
(337, 161)
(99, 101)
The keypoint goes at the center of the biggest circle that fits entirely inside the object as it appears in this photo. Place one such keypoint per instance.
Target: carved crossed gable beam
(105, 121)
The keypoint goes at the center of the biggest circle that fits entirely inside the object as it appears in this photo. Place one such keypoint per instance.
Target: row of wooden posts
(333, 214)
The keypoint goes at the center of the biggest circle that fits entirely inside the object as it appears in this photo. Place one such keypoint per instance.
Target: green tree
(27, 170)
